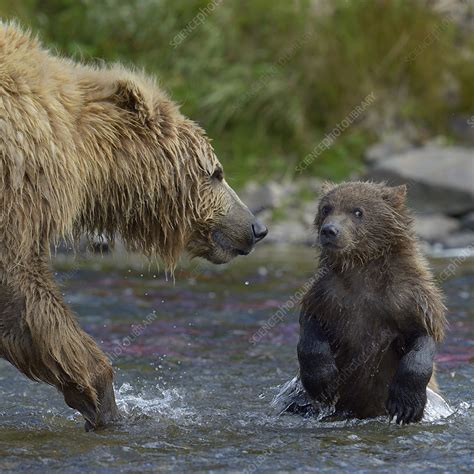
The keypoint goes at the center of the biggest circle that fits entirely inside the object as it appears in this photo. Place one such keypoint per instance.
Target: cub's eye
(218, 174)
(325, 210)
(358, 212)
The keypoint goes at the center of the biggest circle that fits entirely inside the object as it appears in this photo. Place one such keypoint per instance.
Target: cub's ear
(128, 96)
(326, 187)
(395, 196)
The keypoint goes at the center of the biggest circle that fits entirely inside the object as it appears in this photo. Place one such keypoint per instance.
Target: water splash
(157, 404)
(436, 407)
(292, 398)
(290, 392)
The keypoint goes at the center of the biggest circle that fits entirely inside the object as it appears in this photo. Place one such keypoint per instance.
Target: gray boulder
(391, 144)
(269, 195)
(439, 179)
(460, 240)
(308, 211)
(435, 227)
(467, 222)
(290, 231)
(463, 127)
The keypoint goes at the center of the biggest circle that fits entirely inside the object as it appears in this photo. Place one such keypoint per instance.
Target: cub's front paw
(405, 404)
(321, 384)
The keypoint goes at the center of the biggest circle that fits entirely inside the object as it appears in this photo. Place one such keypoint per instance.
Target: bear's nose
(259, 230)
(329, 231)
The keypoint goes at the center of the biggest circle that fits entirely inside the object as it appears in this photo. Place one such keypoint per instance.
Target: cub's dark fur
(369, 324)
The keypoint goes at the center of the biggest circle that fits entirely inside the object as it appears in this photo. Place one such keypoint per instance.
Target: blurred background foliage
(268, 78)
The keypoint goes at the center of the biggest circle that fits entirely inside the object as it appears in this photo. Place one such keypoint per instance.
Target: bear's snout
(329, 234)
(259, 230)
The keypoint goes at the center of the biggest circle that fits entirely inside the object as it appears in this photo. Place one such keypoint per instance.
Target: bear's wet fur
(369, 323)
(95, 149)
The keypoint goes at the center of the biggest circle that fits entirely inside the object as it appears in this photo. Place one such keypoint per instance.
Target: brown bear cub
(369, 323)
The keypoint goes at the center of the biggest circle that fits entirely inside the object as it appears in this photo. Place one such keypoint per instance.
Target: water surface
(195, 377)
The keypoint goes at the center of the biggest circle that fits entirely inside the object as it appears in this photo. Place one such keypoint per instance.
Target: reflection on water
(197, 365)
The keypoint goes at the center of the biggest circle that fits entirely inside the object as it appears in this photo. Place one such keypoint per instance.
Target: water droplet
(262, 271)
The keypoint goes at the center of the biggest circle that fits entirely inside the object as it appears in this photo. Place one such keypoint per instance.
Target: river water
(195, 377)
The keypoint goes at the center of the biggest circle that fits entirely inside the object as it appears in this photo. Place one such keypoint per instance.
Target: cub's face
(358, 219)
(225, 227)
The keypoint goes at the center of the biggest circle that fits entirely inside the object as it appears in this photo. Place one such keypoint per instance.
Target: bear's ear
(128, 96)
(395, 196)
(326, 187)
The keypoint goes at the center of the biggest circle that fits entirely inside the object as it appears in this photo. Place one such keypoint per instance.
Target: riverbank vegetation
(269, 78)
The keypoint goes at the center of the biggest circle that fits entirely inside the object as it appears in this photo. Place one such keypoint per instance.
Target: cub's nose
(329, 232)
(259, 231)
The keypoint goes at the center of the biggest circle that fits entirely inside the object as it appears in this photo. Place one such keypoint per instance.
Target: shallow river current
(195, 378)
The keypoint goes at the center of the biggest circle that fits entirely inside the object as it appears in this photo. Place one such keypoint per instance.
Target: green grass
(269, 78)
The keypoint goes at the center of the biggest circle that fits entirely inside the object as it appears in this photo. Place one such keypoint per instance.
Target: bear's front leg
(318, 371)
(407, 392)
(44, 341)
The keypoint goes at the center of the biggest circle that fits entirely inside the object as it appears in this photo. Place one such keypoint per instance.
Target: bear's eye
(325, 210)
(358, 212)
(218, 174)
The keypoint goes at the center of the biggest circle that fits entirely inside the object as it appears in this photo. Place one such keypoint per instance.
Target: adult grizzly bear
(86, 149)
(369, 323)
